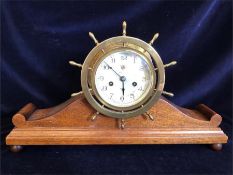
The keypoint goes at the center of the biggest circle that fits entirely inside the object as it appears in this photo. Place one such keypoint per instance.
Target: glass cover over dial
(123, 78)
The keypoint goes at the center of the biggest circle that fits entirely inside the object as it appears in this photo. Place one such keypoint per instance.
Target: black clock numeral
(122, 98)
(141, 68)
(101, 78)
(111, 94)
(144, 78)
(113, 60)
(134, 59)
(132, 96)
(123, 57)
(140, 89)
(104, 88)
(106, 67)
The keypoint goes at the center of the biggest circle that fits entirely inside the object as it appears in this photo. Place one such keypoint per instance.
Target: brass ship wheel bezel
(122, 43)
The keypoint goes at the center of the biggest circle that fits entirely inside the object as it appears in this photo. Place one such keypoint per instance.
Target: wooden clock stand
(70, 124)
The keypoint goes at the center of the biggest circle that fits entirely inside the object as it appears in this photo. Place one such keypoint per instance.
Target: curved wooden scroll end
(215, 119)
(19, 119)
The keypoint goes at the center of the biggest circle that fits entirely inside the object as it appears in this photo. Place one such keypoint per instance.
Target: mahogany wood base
(70, 124)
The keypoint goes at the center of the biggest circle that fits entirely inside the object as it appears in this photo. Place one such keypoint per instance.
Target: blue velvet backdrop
(38, 38)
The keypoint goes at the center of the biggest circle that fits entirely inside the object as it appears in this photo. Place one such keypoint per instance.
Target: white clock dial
(123, 78)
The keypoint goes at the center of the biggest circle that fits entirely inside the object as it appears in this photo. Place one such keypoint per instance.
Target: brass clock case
(107, 47)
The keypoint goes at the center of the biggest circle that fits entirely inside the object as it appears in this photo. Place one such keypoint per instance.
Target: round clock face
(123, 79)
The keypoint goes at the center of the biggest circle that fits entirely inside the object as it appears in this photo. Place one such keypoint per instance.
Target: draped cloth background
(38, 38)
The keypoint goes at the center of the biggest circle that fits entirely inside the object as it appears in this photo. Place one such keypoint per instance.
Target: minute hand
(112, 69)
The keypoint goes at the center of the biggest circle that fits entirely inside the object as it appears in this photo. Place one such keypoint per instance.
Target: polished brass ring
(103, 48)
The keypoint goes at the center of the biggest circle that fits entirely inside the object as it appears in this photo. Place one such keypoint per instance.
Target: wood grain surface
(70, 124)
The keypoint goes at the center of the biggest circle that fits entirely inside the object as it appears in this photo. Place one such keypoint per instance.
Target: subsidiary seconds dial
(123, 79)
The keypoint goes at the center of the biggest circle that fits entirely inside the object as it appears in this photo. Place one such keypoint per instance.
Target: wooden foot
(16, 148)
(216, 146)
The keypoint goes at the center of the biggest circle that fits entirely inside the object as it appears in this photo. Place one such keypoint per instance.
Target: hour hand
(123, 88)
(123, 78)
